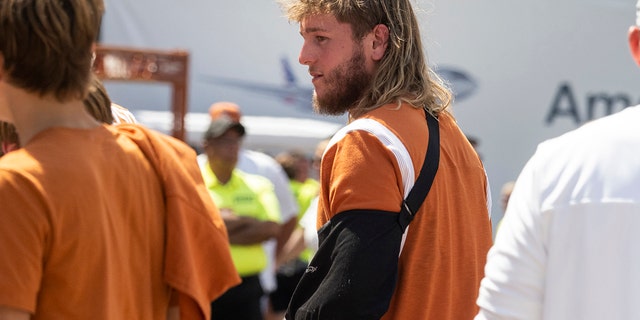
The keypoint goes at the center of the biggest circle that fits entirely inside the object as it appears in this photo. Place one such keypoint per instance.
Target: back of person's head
(293, 162)
(505, 194)
(98, 103)
(403, 73)
(47, 45)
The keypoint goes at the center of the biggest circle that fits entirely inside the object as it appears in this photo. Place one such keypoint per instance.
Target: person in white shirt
(568, 246)
(122, 114)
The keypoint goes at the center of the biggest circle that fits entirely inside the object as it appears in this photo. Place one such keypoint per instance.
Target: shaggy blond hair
(403, 74)
(47, 45)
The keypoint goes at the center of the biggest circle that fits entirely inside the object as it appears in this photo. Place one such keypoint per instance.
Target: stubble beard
(345, 86)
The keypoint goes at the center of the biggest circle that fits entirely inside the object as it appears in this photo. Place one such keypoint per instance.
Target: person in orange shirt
(79, 238)
(366, 58)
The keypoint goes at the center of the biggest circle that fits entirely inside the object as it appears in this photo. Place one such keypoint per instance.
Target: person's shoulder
(388, 124)
(256, 162)
(122, 114)
(16, 161)
(390, 113)
(21, 172)
(620, 127)
(258, 157)
(312, 183)
(139, 130)
(160, 141)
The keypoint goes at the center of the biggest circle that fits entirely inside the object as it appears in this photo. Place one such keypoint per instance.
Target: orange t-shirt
(442, 261)
(83, 231)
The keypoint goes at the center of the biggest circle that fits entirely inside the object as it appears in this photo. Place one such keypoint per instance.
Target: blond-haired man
(366, 58)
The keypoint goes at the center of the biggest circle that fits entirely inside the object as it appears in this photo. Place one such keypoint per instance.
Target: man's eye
(321, 38)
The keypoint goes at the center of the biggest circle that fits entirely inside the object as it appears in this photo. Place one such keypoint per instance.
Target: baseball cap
(228, 109)
(221, 125)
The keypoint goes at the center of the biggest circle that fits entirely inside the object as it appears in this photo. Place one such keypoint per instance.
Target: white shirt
(569, 245)
(122, 114)
(308, 224)
(262, 164)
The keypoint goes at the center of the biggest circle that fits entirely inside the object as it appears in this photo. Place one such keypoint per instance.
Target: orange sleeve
(23, 237)
(197, 260)
(362, 175)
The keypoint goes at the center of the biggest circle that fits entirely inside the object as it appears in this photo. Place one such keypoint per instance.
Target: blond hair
(403, 74)
(47, 45)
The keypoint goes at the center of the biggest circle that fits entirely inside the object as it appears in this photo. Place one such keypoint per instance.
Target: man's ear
(380, 41)
(9, 146)
(1, 66)
(634, 43)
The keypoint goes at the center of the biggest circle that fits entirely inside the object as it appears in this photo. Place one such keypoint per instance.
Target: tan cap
(220, 126)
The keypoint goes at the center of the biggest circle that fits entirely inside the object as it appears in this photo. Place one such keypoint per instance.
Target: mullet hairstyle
(403, 74)
(47, 45)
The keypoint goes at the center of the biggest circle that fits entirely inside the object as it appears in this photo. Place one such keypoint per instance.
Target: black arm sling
(354, 272)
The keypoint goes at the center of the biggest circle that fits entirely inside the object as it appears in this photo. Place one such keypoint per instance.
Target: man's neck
(223, 174)
(33, 114)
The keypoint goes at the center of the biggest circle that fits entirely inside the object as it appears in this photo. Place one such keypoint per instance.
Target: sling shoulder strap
(418, 193)
(414, 191)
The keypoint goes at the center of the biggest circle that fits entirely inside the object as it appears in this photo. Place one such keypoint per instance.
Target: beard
(345, 86)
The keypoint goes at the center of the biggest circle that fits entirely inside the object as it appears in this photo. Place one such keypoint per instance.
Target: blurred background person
(297, 166)
(294, 258)
(505, 194)
(258, 163)
(304, 240)
(250, 211)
